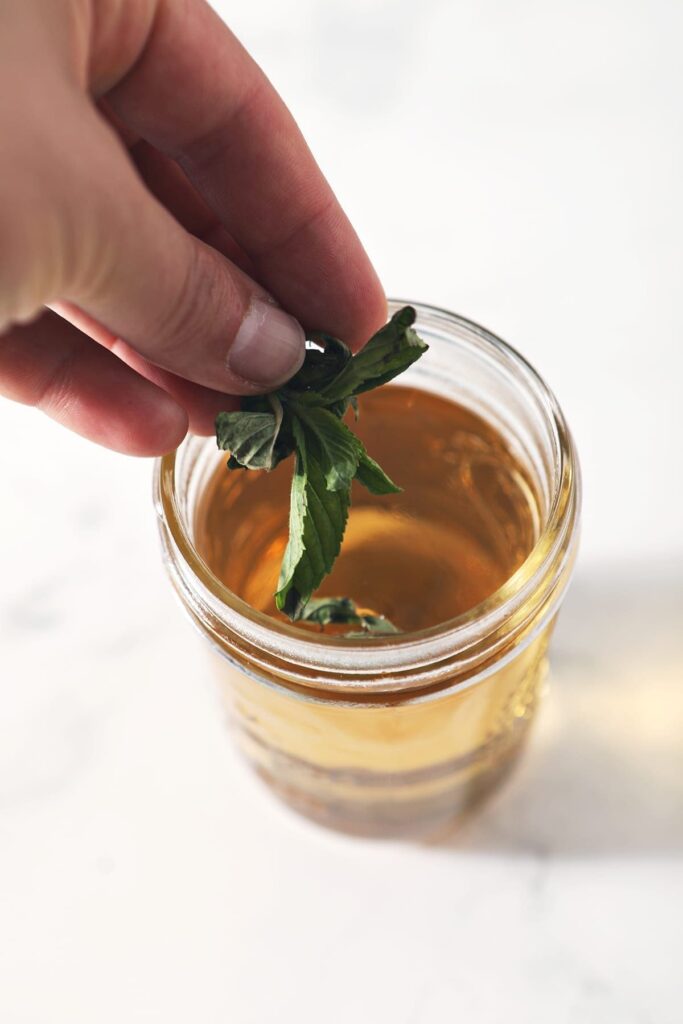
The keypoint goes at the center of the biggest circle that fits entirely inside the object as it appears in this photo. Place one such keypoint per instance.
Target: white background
(522, 164)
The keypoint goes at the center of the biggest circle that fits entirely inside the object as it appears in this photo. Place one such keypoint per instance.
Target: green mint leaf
(250, 436)
(372, 476)
(327, 611)
(337, 449)
(388, 353)
(317, 521)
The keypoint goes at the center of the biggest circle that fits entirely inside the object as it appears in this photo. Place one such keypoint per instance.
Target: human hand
(157, 193)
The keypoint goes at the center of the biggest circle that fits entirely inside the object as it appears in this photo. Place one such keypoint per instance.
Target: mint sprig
(305, 418)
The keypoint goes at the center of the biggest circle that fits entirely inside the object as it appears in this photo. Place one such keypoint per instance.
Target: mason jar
(399, 734)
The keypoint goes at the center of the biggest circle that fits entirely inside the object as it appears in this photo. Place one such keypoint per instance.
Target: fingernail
(269, 346)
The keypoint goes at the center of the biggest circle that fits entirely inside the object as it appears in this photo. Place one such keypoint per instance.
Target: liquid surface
(465, 521)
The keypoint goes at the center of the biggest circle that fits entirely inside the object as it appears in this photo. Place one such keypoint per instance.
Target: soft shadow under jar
(400, 734)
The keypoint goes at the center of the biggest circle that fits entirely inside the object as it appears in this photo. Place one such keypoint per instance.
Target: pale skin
(159, 213)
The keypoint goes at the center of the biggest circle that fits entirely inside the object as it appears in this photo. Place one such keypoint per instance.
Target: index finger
(196, 95)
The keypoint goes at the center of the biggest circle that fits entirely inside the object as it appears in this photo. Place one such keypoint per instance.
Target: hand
(155, 191)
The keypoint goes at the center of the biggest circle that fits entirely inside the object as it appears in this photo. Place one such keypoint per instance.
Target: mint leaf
(388, 353)
(372, 476)
(343, 455)
(250, 436)
(327, 611)
(329, 456)
(317, 521)
(338, 450)
(376, 624)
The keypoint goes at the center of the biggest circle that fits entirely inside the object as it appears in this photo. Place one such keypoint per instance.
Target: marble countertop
(519, 163)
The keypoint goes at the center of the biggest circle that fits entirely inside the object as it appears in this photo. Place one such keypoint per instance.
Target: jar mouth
(360, 658)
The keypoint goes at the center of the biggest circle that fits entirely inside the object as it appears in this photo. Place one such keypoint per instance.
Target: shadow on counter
(603, 772)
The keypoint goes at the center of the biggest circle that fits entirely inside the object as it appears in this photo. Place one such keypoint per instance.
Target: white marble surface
(520, 163)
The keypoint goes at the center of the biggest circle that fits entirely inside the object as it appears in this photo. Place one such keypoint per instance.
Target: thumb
(178, 302)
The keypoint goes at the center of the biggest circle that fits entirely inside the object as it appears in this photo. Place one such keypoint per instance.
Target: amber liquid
(465, 521)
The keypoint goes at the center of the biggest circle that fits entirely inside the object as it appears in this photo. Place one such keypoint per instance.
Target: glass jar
(401, 734)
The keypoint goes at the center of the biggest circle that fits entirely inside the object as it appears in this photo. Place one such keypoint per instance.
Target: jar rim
(395, 654)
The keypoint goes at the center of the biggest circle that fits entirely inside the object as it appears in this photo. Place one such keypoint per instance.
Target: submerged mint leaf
(327, 611)
(317, 521)
(250, 436)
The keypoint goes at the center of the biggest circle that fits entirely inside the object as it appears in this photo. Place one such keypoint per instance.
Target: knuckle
(55, 393)
(37, 367)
